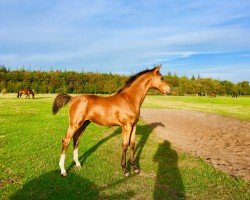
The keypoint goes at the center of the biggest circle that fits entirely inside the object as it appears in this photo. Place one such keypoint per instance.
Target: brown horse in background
(213, 95)
(27, 92)
(235, 94)
(120, 109)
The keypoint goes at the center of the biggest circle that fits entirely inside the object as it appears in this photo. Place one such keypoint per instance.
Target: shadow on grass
(169, 184)
(86, 154)
(144, 131)
(52, 186)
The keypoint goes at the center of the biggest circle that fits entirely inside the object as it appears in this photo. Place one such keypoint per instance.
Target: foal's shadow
(144, 131)
(88, 153)
(52, 186)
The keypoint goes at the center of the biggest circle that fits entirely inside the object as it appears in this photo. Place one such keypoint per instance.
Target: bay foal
(120, 109)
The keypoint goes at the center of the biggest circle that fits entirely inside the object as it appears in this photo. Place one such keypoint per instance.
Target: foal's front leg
(132, 150)
(126, 132)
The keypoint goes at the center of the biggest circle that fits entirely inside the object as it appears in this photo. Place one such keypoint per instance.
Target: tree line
(102, 83)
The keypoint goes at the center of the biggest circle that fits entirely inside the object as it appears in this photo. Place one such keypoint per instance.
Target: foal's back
(111, 110)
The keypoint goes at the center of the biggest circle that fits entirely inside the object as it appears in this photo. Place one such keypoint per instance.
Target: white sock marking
(75, 157)
(61, 163)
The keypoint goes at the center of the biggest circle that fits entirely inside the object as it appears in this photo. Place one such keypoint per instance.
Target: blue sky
(209, 38)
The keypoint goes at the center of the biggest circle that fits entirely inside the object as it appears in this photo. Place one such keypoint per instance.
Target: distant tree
(243, 88)
(73, 82)
(227, 87)
(3, 69)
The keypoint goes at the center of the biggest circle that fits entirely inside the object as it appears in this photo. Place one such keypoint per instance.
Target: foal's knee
(65, 142)
(132, 145)
(125, 147)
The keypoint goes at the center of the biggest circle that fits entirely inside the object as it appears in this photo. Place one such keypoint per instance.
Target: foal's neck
(138, 91)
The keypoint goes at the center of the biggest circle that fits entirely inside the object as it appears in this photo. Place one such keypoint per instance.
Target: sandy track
(224, 142)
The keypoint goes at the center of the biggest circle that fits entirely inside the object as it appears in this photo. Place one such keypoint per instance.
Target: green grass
(227, 106)
(30, 143)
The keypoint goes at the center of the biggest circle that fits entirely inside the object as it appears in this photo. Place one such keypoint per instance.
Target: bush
(4, 91)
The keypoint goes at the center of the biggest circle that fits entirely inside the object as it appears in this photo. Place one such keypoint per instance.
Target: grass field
(30, 143)
(227, 106)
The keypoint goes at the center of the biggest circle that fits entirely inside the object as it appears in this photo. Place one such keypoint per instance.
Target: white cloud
(107, 34)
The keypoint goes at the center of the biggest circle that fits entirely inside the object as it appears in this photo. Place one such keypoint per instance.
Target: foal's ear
(157, 69)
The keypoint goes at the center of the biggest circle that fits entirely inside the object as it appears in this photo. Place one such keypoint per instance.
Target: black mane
(132, 79)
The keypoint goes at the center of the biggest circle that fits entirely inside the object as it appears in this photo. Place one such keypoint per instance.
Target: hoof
(64, 174)
(126, 174)
(137, 171)
(78, 167)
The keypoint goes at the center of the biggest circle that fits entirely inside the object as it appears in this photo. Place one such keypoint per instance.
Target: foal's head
(157, 81)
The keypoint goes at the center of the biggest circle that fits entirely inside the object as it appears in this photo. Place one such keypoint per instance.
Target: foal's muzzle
(168, 90)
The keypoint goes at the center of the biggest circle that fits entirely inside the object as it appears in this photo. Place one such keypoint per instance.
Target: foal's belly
(114, 118)
(107, 120)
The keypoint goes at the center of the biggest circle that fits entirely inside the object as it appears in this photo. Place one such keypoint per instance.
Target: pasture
(30, 144)
(226, 106)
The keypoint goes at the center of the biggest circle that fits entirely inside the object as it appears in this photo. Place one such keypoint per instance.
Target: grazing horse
(119, 109)
(201, 94)
(235, 94)
(27, 92)
(213, 94)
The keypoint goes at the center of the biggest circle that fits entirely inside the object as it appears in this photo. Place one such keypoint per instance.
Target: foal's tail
(60, 101)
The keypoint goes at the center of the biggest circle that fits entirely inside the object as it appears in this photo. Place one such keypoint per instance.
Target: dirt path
(222, 141)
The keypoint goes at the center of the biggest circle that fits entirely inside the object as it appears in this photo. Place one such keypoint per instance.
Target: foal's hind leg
(65, 143)
(76, 139)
